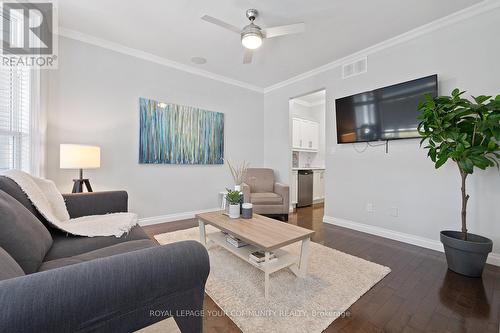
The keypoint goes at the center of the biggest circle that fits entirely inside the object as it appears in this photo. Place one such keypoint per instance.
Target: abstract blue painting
(177, 134)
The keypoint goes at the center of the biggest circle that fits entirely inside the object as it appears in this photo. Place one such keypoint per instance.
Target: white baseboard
(493, 258)
(173, 217)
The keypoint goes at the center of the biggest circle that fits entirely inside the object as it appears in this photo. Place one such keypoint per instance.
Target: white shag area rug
(334, 281)
(164, 326)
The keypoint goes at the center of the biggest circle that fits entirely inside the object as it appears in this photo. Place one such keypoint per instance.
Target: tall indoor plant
(467, 133)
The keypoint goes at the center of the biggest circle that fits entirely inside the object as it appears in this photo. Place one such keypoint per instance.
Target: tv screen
(383, 114)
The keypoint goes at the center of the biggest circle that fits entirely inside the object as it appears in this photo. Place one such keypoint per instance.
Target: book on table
(260, 256)
(234, 241)
(261, 262)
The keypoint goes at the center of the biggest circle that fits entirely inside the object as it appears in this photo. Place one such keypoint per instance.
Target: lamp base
(78, 185)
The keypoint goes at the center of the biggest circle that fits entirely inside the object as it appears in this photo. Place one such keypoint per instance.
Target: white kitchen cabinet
(313, 129)
(318, 185)
(305, 134)
(294, 187)
(297, 133)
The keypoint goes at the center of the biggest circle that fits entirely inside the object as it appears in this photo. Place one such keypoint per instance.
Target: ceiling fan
(252, 35)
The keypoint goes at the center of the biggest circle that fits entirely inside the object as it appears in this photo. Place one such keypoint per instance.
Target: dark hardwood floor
(419, 295)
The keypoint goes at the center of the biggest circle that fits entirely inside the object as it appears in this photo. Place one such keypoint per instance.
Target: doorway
(308, 149)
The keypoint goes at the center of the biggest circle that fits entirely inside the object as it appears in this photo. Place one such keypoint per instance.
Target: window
(15, 118)
(21, 120)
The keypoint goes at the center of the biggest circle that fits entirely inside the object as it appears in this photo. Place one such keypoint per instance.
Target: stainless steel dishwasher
(305, 188)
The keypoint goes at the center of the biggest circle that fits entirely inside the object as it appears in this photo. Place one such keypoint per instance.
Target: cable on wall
(362, 150)
(369, 144)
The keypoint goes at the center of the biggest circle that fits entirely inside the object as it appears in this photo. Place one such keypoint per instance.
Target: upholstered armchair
(268, 197)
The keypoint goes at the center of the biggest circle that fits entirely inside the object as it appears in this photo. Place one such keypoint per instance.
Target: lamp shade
(79, 157)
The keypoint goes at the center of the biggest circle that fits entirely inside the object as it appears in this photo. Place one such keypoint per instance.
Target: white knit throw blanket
(49, 202)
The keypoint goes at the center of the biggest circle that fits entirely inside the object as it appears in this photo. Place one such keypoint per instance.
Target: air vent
(354, 68)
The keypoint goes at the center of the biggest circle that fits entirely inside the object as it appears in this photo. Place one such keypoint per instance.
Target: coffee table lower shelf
(261, 233)
(284, 258)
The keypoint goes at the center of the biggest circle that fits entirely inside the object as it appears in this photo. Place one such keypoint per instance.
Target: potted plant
(234, 200)
(467, 133)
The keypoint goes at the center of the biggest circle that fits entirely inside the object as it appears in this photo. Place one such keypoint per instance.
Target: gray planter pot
(466, 257)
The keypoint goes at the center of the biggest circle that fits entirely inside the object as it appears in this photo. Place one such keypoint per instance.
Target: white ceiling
(172, 29)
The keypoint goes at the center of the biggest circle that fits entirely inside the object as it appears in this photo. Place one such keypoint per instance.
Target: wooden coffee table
(261, 233)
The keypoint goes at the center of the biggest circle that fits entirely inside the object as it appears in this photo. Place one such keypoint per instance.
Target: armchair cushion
(260, 180)
(22, 235)
(265, 199)
(284, 191)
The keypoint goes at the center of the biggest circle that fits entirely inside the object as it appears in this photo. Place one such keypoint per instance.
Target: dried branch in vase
(238, 171)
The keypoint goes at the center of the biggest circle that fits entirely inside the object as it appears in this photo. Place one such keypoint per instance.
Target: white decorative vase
(234, 211)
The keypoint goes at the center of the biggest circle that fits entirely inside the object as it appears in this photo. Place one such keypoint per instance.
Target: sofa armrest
(121, 293)
(96, 203)
(284, 191)
(245, 188)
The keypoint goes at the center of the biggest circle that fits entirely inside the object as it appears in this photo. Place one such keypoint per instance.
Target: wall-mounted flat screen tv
(383, 114)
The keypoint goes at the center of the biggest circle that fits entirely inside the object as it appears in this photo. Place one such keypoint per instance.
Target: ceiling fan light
(251, 41)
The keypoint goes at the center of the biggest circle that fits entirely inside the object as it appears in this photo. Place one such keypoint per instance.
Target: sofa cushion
(22, 235)
(11, 188)
(101, 253)
(260, 179)
(67, 245)
(9, 268)
(265, 199)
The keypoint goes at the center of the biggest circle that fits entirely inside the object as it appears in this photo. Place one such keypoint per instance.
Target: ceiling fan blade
(220, 23)
(247, 56)
(284, 30)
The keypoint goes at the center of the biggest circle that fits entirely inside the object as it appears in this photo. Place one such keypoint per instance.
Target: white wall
(464, 55)
(94, 99)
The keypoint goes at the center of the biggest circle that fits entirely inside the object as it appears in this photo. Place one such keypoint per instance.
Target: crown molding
(76, 35)
(445, 21)
(458, 16)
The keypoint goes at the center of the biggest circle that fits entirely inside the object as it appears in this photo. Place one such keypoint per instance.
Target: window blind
(15, 92)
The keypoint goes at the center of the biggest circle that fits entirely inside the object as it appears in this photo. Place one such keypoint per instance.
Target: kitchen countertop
(310, 168)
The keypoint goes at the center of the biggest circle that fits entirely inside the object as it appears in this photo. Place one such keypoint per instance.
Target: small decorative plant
(466, 132)
(233, 197)
(238, 171)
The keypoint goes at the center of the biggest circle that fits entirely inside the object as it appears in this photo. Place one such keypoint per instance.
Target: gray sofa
(53, 282)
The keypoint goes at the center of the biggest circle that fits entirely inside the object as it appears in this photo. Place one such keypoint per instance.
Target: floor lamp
(80, 157)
